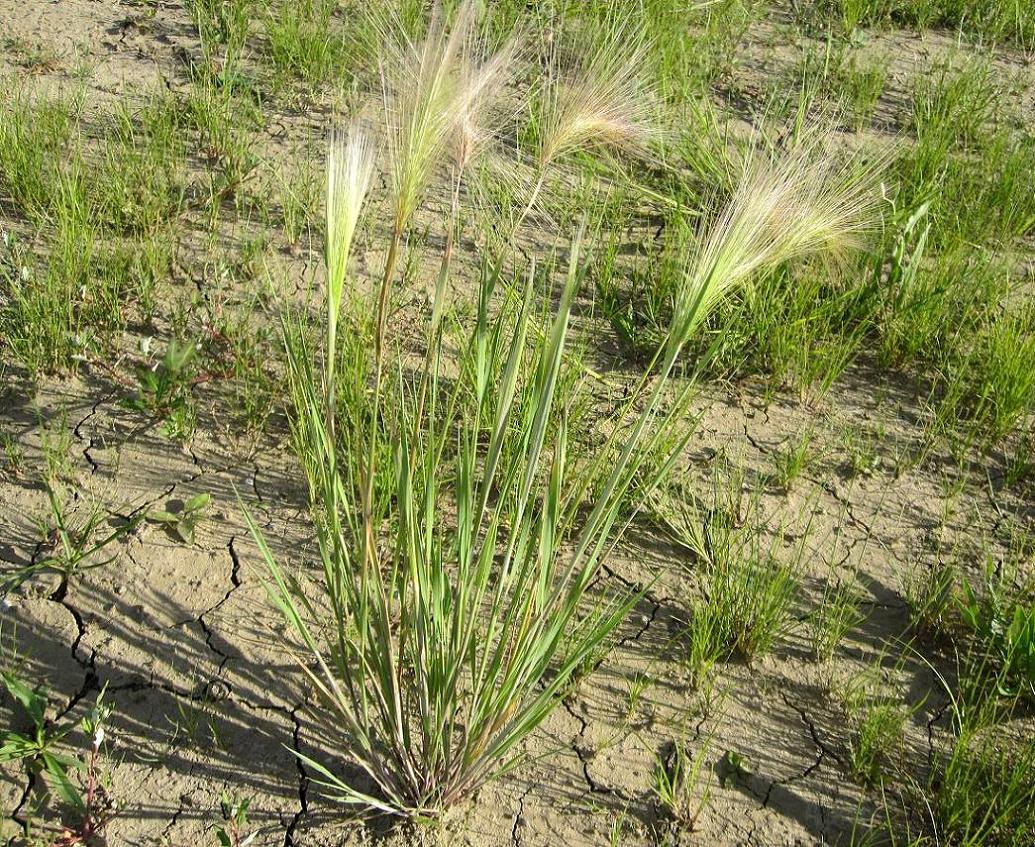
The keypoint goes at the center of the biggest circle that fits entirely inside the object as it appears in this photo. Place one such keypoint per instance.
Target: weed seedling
(41, 748)
(735, 769)
(165, 390)
(96, 808)
(183, 522)
(234, 810)
(40, 744)
(70, 547)
(1001, 620)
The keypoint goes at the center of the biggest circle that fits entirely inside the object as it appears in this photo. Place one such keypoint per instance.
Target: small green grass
(837, 78)
(984, 792)
(877, 719)
(305, 43)
(838, 613)
(33, 141)
(681, 783)
(225, 117)
(876, 737)
(104, 211)
(794, 459)
(1010, 22)
(141, 180)
(757, 594)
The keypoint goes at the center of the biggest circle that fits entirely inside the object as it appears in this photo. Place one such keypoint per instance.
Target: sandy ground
(208, 699)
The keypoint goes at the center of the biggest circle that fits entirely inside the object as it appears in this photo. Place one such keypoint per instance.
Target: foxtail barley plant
(458, 537)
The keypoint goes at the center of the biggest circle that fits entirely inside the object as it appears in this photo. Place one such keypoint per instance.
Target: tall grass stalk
(432, 95)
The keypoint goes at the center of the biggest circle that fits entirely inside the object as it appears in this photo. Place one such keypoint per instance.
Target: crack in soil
(175, 817)
(935, 718)
(303, 780)
(199, 694)
(142, 509)
(656, 604)
(761, 448)
(89, 683)
(94, 466)
(847, 505)
(586, 754)
(26, 793)
(822, 752)
(235, 583)
(519, 817)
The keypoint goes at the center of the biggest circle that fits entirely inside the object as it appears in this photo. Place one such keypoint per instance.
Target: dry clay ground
(207, 698)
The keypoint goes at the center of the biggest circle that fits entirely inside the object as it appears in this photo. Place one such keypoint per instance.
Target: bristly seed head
(351, 156)
(785, 206)
(602, 101)
(436, 93)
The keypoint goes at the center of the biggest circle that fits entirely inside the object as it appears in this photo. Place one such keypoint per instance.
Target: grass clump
(794, 459)
(749, 591)
(304, 44)
(980, 787)
(930, 596)
(44, 312)
(225, 116)
(993, 389)
(755, 595)
(876, 736)
(141, 183)
(223, 22)
(877, 721)
(459, 538)
(839, 79)
(985, 790)
(33, 137)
